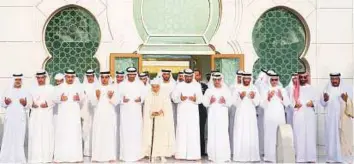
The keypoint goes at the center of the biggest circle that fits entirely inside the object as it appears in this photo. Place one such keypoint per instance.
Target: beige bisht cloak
(346, 128)
(164, 133)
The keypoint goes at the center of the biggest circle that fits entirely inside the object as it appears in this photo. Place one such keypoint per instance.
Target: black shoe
(204, 154)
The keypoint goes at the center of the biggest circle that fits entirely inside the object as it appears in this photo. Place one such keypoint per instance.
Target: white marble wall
(330, 24)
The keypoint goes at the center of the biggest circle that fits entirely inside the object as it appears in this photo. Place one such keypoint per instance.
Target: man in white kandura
(15, 101)
(120, 75)
(218, 100)
(104, 135)
(290, 89)
(58, 80)
(304, 122)
(146, 81)
(167, 85)
(188, 95)
(68, 134)
(131, 120)
(158, 106)
(90, 84)
(274, 101)
(41, 128)
(180, 77)
(337, 101)
(261, 84)
(246, 141)
(232, 110)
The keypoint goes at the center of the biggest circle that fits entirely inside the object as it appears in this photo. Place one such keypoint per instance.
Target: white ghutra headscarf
(41, 73)
(342, 88)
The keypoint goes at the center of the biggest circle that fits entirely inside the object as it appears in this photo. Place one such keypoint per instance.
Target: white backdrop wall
(330, 25)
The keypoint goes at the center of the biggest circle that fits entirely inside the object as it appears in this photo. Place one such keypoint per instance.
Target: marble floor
(320, 159)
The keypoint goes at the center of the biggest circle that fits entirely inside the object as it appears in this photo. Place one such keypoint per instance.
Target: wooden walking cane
(152, 137)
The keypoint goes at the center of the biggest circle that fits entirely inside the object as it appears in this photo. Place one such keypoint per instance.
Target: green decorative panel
(177, 21)
(228, 67)
(121, 64)
(72, 37)
(176, 17)
(279, 39)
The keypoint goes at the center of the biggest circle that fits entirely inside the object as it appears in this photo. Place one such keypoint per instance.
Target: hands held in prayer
(154, 114)
(125, 100)
(183, 98)
(344, 97)
(222, 100)
(98, 94)
(77, 97)
(280, 95)
(159, 113)
(298, 105)
(325, 97)
(270, 95)
(138, 100)
(242, 95)
(7, 101)
(309, 104)
(34, 105)
(23, 102)
(110, 94)
(193, 98)
(63, 97)
(44, 105)
(252, 94)
(212, 99)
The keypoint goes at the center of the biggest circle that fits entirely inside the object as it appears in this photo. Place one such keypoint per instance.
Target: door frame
(228, 56)
(113, 57)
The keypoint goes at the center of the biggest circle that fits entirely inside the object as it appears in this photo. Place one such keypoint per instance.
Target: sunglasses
(273, 79)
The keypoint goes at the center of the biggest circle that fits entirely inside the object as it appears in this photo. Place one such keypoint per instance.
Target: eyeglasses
(273, 79)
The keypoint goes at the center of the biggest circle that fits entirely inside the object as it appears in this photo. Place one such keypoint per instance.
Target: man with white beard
(104, 135)
(167, 86)
(188, 95)
(232, 110)
(159, 132)
(88, 107)
(274, 102)
(41, 129)
(337, 101)
(246, 141)
(293, 85)
(131, 123)
(68, 134)
(304, 122)
(15, 101)
(218, 100)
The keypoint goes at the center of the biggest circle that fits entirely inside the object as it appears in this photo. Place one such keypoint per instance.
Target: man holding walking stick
(158, 133)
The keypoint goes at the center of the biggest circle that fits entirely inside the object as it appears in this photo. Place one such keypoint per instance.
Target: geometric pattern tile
(72, 37)
(279, 39)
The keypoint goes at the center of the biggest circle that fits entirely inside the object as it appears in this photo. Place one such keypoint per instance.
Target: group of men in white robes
(131, 117)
